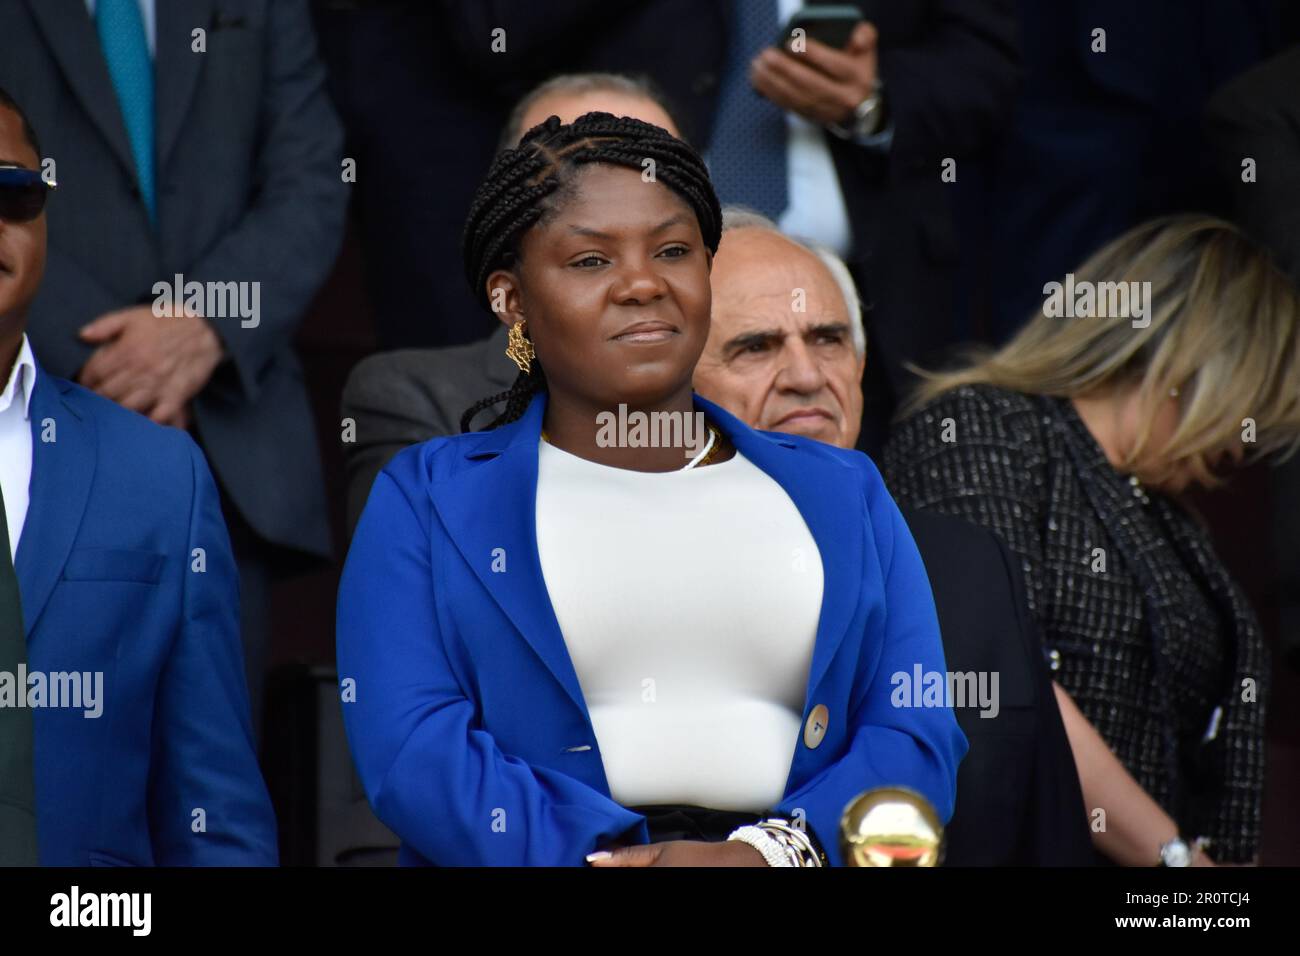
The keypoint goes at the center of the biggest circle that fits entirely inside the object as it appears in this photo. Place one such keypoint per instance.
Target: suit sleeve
(1059, 824)
(950, 94)
(208, 805)
(430, 771)
(915, 747)
(290, 234)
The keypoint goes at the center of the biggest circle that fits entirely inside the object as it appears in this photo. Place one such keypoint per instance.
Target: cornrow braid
(516, 397)
(523, 186)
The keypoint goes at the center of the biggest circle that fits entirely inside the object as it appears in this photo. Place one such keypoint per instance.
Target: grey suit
(411, 395)
(248, 153)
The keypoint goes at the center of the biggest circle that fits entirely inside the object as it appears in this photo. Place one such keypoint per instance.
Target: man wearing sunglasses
(122, 695)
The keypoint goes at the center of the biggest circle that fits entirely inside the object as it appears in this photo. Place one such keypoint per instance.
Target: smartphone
(831, 24)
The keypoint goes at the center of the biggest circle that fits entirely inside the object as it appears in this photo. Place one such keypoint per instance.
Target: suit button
(815, 729)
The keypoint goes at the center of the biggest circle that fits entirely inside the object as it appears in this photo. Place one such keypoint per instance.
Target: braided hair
(529, 183)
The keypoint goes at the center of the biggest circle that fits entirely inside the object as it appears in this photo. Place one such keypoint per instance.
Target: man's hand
(684, 853)
(822, 84)
(151, 364)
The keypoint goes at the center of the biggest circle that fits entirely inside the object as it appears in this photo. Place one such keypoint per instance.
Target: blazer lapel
(827, 494)
(494, 506)
(62, 472)
(178, 67)
(71, 36)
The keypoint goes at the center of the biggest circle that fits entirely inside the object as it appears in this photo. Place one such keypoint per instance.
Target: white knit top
(689, 602)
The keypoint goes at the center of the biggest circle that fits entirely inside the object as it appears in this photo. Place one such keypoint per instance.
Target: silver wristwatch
(865, 119)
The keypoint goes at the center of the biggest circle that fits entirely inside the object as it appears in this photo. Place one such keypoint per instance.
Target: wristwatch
(1177, 852)
(866, 118)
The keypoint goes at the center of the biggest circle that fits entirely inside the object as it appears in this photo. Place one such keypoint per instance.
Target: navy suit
(110, 583)
(463, 707)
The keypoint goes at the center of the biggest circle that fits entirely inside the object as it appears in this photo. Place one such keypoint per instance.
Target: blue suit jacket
(106, 567)
(462, 706)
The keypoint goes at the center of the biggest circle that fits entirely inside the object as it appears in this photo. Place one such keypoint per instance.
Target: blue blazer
(167, 773)
(462, 706)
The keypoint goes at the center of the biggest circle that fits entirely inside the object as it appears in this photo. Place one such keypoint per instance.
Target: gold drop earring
(520, 349)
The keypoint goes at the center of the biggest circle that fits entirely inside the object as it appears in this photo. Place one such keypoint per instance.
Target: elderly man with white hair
(787, 349)
(785, 353)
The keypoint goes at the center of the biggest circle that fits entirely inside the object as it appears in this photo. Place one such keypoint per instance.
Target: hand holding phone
(821, 83)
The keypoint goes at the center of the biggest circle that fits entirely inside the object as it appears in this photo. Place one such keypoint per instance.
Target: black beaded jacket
(1142, 624)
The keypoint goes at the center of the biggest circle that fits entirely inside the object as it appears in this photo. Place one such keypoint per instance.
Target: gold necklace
(717, 444)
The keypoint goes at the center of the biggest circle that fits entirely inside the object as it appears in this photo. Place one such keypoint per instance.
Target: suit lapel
(71, 36)
(62, 472)
(494, 505)
(178, 67)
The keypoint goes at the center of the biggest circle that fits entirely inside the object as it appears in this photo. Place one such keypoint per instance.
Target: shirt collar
(22, 380)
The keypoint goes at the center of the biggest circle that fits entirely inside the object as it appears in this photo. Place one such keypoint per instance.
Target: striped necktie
(126, 50)
(17, 775)
(747, 154)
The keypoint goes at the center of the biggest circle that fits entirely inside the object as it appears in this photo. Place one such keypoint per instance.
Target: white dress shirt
(16, 442)
(148, 13)
(689, 604)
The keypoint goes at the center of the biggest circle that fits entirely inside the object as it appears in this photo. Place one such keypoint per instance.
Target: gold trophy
(890, 826)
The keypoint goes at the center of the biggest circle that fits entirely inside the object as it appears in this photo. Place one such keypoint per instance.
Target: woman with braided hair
(563, 643)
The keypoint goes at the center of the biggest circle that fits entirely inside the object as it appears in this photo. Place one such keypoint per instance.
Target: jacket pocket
(113, 564)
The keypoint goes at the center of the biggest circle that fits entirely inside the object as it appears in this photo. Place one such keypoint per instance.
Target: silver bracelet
(774, 852)
(796, 840)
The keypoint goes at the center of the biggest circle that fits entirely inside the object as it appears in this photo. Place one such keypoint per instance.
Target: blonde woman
(1074, 442)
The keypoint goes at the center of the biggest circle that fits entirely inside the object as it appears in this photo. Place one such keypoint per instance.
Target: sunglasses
(22, 193)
